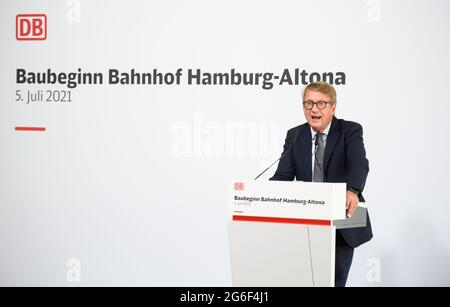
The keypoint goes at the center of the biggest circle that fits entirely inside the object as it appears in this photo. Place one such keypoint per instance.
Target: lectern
(282, 233)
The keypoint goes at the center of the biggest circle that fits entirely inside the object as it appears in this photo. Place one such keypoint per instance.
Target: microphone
(282, 156)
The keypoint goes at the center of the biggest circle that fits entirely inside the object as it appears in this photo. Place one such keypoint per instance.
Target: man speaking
(327, 149)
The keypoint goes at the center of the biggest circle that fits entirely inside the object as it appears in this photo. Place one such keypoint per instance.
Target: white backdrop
(127, 184)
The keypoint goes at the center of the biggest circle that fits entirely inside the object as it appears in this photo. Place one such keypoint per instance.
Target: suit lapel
(305, 146)
(332, 139)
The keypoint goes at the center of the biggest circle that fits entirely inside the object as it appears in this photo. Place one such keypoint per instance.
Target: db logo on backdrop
(31, 27)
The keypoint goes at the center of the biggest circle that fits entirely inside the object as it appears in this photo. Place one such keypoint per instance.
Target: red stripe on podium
(244, 218)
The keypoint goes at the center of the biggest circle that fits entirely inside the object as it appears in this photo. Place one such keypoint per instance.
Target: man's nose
(315, 108)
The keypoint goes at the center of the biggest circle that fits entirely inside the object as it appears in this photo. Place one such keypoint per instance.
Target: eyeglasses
(308, 104)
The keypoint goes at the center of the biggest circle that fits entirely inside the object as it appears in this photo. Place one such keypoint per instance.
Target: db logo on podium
(31, 27)
(239, 186)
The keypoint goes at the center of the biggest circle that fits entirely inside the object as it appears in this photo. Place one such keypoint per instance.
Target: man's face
(318, 119)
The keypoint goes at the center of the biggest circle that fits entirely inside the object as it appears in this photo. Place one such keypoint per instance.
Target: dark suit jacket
(344, 161)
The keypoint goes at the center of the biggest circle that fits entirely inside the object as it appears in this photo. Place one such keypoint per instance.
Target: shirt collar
(326, 131)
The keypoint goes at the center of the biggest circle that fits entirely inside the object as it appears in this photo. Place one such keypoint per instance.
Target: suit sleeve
(286, 170)
(357, 163)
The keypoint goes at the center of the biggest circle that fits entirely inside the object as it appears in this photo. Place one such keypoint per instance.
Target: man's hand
(351, 203)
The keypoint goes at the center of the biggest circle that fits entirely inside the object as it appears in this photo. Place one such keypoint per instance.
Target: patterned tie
(318, 160)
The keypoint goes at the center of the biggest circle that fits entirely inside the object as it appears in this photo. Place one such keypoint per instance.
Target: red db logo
(239, 186)
(31, 27)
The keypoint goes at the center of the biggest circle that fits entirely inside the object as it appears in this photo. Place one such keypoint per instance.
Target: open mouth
(316, 117)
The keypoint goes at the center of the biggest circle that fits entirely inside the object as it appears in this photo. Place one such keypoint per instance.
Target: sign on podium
(282, 233)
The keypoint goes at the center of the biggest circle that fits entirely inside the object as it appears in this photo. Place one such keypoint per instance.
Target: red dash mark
(30, 129)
